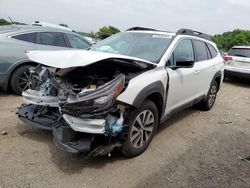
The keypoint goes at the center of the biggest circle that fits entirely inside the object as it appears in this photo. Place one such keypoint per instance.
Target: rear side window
(240, 52)
(28, 37)
(201, 50)
(77, 42)
(212, 50)
(51, 39)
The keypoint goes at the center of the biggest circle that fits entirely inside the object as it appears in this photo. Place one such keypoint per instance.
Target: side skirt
(181, 108)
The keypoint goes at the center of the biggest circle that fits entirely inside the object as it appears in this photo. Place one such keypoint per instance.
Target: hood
(76, 58)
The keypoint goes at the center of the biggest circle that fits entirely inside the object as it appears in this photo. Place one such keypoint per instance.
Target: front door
(182, 81)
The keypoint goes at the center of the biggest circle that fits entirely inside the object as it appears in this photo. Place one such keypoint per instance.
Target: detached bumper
(65, 137)
(30, 115)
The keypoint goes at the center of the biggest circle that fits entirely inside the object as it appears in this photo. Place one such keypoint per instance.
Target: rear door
(51, 41)
(183, 82)
(206, 64)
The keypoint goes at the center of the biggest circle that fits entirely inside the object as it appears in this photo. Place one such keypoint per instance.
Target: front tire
(20, 79)
(141, 129)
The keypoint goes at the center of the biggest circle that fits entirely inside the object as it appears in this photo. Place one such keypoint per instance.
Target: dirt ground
(193, 149)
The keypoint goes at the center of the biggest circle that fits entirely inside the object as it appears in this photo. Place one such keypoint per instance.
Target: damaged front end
(79, 105)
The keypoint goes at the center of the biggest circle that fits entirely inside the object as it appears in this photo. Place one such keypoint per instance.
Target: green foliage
(102, 33)
(105, 32)
(229, 39)
(4, 22)
(110, 29)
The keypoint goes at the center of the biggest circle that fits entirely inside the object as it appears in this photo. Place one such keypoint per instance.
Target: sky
(210, 16)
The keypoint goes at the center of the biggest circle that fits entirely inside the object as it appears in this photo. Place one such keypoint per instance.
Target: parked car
(15, 40)
(237, 62)
(115, 94)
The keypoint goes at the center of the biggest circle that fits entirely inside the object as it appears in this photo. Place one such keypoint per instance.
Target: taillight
(227, 58)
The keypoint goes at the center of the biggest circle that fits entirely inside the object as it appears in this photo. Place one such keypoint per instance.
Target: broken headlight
(94, 101)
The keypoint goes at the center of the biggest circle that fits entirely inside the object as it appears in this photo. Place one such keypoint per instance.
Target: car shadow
(74, 163)
(6, 93)
(175, 118)
(238, 82)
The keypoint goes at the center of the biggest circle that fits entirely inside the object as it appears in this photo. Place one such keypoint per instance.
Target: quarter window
(201, 51)
(52, 39)
(212, 50)
(28, 37)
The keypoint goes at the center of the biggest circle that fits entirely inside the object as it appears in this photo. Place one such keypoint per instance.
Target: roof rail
(194, 33)
(140, 29)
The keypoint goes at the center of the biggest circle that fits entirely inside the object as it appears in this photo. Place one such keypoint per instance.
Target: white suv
(115, 94)
(238, 62)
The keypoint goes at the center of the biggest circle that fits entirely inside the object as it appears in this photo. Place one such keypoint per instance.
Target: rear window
(51, 39)
(28, 37)
(240, 52)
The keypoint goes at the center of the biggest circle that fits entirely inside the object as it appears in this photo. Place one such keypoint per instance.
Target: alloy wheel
(142, 129)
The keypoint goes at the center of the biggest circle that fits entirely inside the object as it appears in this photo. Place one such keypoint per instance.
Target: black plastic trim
(155, 87)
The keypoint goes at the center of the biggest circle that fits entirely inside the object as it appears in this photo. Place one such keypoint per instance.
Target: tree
(107, 31)
(229, 39)
(4, 22)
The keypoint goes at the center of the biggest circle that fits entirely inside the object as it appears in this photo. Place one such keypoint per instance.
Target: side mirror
(183, 63)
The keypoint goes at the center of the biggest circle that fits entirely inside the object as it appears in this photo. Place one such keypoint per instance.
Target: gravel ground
(193, 149)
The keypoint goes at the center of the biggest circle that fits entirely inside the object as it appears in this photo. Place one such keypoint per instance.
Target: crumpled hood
(75, 58)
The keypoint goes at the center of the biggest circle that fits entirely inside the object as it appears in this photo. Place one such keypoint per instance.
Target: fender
(11, 68)
(155, 87)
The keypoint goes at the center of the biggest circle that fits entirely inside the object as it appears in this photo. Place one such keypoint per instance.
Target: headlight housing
(94, 101)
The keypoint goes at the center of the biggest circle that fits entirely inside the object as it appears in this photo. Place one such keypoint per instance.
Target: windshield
(148, 46)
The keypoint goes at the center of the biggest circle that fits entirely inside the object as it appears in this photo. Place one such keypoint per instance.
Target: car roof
(15, 29)
(242, 47)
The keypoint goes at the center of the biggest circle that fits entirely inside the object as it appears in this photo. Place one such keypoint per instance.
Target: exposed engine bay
(79, 104)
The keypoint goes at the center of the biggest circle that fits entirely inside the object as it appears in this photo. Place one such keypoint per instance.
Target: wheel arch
(18, 65)
(154, 92)
(218, 78)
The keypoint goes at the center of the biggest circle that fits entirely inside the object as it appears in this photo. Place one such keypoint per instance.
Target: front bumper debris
(78, 115)
(94, 126)
(68, 140)
(37, 116)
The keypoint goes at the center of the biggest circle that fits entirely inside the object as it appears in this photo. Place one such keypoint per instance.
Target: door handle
(196, 71)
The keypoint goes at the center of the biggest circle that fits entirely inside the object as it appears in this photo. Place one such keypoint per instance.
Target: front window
(77, 42)
(148, 46)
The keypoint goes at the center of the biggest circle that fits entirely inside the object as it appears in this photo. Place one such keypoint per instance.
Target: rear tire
(208, 103)
(141, 129)
(20, 79)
